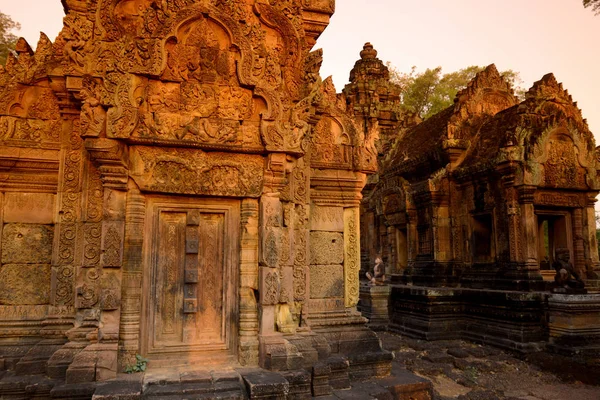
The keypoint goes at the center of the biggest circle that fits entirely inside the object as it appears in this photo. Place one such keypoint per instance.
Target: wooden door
(192, 257)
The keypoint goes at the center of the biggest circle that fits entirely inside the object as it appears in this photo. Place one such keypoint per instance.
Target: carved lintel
(111, 157)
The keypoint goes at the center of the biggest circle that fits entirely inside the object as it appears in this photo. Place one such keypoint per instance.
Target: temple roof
(546, 105)
(421, 149)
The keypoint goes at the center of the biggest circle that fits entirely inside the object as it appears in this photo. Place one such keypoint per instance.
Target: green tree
(429, 92)
(594, 4)
(7, 39)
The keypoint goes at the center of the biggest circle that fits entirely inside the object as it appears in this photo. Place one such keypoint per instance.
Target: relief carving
(351, 256)
(190, 171)
(561, 169)
(113, 242)
(271, 288)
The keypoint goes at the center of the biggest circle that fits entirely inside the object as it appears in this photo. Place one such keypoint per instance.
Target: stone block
(270, 285)
(329, 219)
(326, 248)
(320, 380)
(374, 305)
(25, 284)
(574, 324)
(27, 244)
(339, 378)
(29, 208)
(266, 385)
(126, 387)
(299, 384)
(326, 281)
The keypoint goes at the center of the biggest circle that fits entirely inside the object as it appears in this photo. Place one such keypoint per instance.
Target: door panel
(169, 272)
(192, 263)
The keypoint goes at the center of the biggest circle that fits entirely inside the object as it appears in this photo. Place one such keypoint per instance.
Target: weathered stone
(300, 382)
(320, 380)
(326, 248)
(574, 324)
(480, 197)
(29, 208)
(374, 301)
(326, 281)
(24, 284)
(266, 385)
(181, 183)
(458, 352)
(27, 244)
(328, 219)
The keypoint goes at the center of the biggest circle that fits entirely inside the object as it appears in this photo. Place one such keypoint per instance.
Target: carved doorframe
(231, 209)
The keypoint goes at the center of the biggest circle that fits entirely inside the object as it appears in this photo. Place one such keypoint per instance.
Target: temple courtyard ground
(467, 371)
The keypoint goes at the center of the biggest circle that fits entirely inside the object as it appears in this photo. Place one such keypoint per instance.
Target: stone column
(411, 237)
(368, 239)
(591, 249)
(441, 228)
(131, 295)
(107, 186)
(526, 239)
(578, 243)
(392, 265)
(61, 313)
(528, 234)
(248, 341)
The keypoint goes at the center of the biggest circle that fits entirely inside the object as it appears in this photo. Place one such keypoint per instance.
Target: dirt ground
(466, 371)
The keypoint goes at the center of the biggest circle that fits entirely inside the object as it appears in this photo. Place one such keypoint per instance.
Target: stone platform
(503, 318)
(574, 325)
(230, 384)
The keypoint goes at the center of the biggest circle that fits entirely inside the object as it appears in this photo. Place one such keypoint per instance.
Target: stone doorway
(190, 280)
(554, 232)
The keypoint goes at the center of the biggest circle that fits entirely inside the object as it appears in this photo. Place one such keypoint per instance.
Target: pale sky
(533, 37)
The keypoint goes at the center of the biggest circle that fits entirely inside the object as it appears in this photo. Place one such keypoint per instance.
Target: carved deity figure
(566, 277)
(378, 275)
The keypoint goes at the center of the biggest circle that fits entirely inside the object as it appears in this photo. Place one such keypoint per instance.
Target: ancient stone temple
(475, 208)
(179, 183)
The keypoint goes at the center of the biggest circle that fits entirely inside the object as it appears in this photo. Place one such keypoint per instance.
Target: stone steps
(228, 384)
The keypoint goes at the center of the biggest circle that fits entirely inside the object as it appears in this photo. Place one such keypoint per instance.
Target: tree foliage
(593, 4)
(429, 92)
(7, 39)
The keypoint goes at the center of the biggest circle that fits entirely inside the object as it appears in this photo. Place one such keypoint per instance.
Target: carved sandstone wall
(178, 181)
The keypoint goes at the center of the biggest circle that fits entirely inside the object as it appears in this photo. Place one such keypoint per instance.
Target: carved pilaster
(591, 250)
(351, 256)
(527, 234)
(248, 328)
(131, 295)
(578, 245)
(411, 231)
(392, 265)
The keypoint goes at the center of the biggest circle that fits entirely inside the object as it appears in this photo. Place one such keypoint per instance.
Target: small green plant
(471, 373)
(139, 366)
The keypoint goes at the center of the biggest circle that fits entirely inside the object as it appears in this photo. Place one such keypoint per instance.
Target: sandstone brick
(24, 284)
(326, 248)
(27, 243)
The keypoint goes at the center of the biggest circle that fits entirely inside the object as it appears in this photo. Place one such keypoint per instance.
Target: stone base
(373, 305)
(36, 360)
(240, 384)
(279, 354)
(347, 334)
(507, 319)
(574, 324)
(97, 362)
